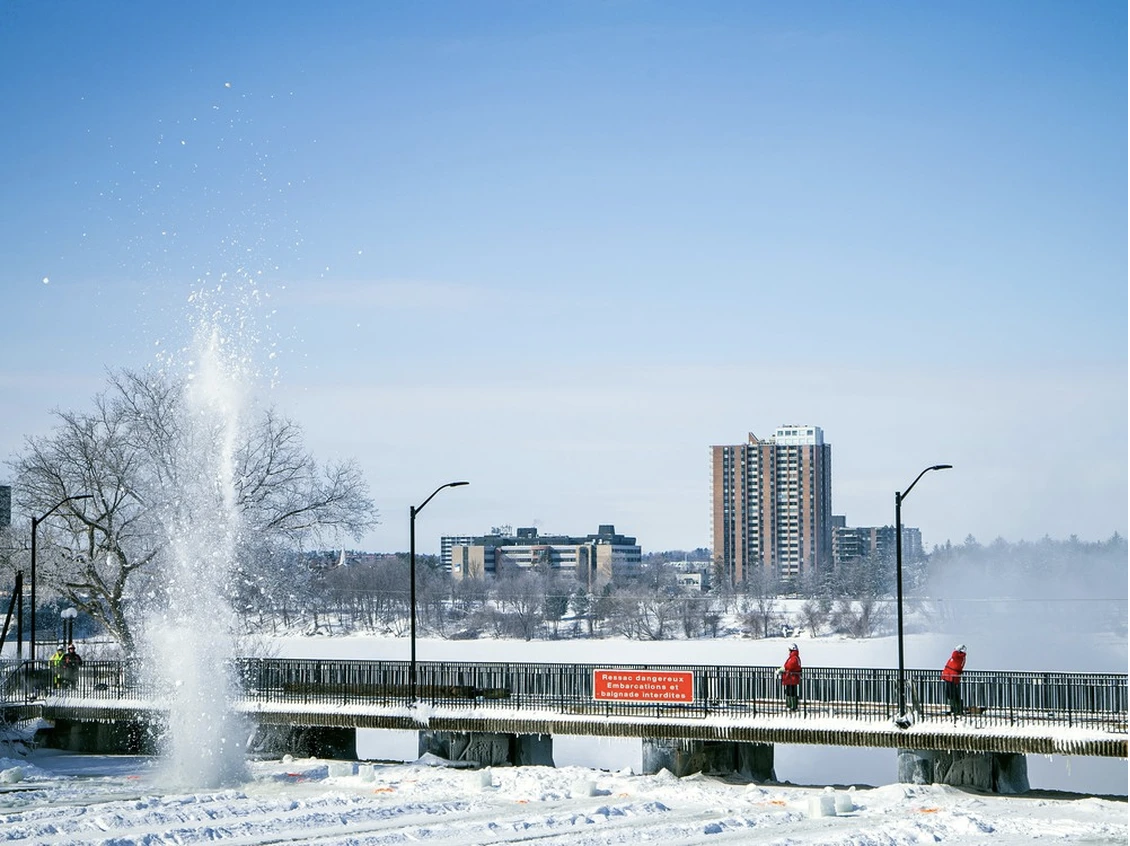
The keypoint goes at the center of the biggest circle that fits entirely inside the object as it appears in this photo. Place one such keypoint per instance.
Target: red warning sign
(643, 685)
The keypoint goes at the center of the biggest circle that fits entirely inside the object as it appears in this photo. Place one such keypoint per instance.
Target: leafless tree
(642, 616)
(556, 604)
(584, 607)
(693, 608)
(128, 455)
(759, 611)
(521, 598)
(814, 614)
(860, 617)
(433, 596)
(656, 617)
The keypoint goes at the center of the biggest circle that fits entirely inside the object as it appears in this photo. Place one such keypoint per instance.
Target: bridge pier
(306, 741)
(99, 737)
(489, 749)
(998, 772)
(683, 757)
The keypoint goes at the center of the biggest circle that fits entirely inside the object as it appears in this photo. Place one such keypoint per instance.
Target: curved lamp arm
(420, 507)
(904, 494)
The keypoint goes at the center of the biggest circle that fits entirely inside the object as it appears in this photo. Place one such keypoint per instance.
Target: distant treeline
(855, 599)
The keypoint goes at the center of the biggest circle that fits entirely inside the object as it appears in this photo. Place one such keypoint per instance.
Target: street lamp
(68, 615)
(899, 497)
(412, 512)
(35, 521)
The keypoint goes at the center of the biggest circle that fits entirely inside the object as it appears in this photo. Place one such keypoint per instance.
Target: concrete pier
(683, 757)
(330, 742)
(99, 737)
(998, 772)
(489, 749)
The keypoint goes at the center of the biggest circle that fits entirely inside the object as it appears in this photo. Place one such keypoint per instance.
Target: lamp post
(35, 521)
(899, 497)
(68, 615)
(413, 510)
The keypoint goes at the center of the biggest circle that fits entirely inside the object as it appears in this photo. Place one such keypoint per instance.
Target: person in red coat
(951, 679)
(790, 677)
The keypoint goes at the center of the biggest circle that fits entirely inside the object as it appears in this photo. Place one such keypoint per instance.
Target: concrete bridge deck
(1014, 713)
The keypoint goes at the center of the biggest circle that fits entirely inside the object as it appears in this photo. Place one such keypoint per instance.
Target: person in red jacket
(951, 679)
(789, 673)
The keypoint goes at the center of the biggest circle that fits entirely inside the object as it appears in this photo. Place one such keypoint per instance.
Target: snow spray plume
(192, 636)
(1047, 605)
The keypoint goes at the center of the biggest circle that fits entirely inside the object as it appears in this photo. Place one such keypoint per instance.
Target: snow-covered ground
(594, 796)
(75, 799)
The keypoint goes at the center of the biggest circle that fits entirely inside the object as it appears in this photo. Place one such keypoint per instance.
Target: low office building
(691, 575)
(446, 542)
(593, 560)
(851, 543)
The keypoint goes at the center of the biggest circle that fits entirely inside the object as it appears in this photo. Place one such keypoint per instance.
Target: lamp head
(942, 467)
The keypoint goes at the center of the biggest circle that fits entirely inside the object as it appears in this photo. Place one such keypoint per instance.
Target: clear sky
(560, 249)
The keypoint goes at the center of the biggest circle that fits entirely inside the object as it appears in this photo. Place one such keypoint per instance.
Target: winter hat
(793, 648)
(960, 648)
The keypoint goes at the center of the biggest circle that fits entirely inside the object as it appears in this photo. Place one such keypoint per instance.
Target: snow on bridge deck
(966, 733)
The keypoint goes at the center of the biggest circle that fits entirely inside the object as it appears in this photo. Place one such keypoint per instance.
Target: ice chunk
(583, 787)
(12, 775)
(822, 805)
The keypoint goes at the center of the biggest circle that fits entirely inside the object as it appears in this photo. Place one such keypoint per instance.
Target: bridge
(726, 716)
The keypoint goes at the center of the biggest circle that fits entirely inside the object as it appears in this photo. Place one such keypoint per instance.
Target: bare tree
(692, 612)
(760, 606)
(656, 617)
(859, 618)
(584, 607)
(642, 616)
(622, 612)
(128, 454)
(521, 598)
(814, 614)
(556, 603)
(433, 595)
(869, 576)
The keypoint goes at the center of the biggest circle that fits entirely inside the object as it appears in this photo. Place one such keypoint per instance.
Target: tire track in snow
(309, 820)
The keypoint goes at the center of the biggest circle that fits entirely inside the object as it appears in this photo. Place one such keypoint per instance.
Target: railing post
(1070, 703)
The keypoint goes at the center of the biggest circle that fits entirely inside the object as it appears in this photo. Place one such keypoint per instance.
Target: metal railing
(1093, 700)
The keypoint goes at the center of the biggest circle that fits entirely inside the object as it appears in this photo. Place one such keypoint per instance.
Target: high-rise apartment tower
(772, 505)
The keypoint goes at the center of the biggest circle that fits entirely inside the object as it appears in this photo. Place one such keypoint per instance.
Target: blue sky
(559, 249)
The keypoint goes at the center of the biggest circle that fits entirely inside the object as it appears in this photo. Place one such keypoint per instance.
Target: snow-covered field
(56, 798)
(68, 799)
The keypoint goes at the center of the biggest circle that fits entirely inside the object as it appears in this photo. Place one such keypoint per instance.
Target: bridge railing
(23, 681)
(1097, 700)
(1094, 700)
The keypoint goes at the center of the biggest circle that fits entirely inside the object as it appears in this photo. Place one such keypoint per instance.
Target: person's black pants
(792, 701)
(953, 696)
